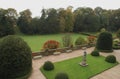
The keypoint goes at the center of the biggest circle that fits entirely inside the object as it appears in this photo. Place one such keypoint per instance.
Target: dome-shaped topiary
(15, 58)
(95, 53)
(48, 65)
(111, 59)
(104, 42)
(80, 41)
(61, 76)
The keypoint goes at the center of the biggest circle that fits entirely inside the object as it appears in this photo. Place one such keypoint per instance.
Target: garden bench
(68, 51)
(37, 57)
(56, 53)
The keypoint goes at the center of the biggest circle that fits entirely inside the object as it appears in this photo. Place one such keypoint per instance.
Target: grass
(36, 41)
(75, 71)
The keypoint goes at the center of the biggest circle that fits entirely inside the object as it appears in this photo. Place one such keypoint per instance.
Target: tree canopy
(82, 19)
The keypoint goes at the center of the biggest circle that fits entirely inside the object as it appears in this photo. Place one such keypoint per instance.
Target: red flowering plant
(91, 39)
(51, 44)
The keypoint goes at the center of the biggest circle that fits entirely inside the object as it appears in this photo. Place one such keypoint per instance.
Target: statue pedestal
(83, 63)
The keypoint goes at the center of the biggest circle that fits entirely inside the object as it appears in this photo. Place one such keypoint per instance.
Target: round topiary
(111, 59)
(61, 76)
(80, 41)
(48, 65)
(15, 58)
(104, 42)
(95, 53)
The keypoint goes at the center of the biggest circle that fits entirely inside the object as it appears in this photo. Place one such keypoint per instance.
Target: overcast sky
(36, 5)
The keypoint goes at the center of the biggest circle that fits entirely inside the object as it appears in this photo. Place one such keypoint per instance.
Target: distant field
(36, 41)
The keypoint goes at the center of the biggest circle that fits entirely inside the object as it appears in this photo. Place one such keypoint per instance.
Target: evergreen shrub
(111, 59)
(48, 66)
(15, 58)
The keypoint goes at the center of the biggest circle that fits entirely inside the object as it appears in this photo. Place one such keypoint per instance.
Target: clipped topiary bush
(15, 58)
(104, 42)
(111, 59)
(48, 65)
(80, 41)
(61, 76)
(95, 53)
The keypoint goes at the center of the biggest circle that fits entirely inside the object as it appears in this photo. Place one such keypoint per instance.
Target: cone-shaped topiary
(61, 76)
(95, 53)
(48, 65)
(104, 42)
(15, 58)
(111, 59)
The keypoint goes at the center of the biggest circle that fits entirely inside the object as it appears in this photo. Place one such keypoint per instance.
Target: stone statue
(83, 63)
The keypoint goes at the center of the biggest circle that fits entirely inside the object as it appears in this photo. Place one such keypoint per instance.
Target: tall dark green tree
(69, 20)
(42, 22)
(50, 22)
(24, 22)
(115, 19)
(35, 25)
(7, 21)
(61, 16)
(79, 20)
(86, 20)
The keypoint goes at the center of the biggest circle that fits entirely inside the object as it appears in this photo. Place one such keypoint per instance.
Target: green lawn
(36, 41)
(75, 71)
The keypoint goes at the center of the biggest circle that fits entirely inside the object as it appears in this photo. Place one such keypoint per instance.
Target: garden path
(112, 73)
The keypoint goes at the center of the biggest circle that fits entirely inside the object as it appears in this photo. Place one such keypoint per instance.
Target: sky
(36, 6)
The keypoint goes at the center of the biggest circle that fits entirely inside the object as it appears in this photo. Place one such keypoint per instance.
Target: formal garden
(72, 69)
(55, 33)
(20, 52)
